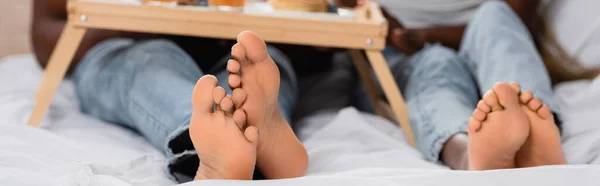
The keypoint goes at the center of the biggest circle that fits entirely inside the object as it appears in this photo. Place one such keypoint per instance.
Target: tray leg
(392, 92)
(55, 71)
(364, 71)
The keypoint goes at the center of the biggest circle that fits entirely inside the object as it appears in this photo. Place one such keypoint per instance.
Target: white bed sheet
(345, 148)
(71, 149)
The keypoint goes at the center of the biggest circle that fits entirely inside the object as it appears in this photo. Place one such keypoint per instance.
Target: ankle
(455, 152)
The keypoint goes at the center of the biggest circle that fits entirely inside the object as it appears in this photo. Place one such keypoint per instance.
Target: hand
(407, 41)
(348, 3)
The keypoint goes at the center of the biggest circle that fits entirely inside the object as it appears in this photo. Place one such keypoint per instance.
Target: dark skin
(410, 41)
(50, 17)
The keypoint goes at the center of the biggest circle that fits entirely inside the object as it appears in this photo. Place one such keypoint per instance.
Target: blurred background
(14, 27)
(570, 46)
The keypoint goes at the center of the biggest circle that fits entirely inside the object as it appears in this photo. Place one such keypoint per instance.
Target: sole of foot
(543, 146)
(254, 76)
(225, 150)
(497, 129)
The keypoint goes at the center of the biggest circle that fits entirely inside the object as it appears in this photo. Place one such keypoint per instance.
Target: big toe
(515, 86)
(254, 45)
(507, 96)
(202, 96)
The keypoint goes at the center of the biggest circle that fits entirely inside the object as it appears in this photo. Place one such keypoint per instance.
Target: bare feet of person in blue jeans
(537, 137)
(254, 76)
(543, 146)
(247, 129)
(497, 129)
(226, 148)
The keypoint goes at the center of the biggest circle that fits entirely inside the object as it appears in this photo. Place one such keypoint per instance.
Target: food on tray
(300, 5)
(170, 2)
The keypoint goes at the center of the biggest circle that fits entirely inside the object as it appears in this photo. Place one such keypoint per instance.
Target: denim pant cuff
(437, 145)
(182, 160)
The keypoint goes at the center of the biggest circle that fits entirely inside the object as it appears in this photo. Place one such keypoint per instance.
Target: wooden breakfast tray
(365, 32)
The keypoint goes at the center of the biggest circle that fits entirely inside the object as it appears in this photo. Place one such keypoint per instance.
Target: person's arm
(410, 40)
(49, 19)
(527, 11)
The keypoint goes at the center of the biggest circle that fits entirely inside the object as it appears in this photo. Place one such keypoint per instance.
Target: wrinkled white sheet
(71, 148)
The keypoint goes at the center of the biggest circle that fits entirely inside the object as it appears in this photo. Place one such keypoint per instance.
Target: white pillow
(576, 24)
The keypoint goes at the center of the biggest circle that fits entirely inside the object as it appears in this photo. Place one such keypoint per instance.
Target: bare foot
(497, 130)
(543, 146)
(225, 151)
(255, 80)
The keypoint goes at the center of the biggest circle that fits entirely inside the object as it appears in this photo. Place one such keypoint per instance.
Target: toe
(479, 115)
(239, 53)
(474, 125)
(545, 113)
(507, 96)
(252, 134)
(491, 100)
(515, 86)
(227, 105)
(535, 104)
(202, 96)
(484, 107)
(218, 94)
(233, 67)
(251, 40)
(525, 97)
(234, 81)
(239, 117)
(239, 97)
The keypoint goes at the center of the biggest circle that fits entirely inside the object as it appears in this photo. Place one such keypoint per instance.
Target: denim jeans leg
(499, 48)
(147, 86)
(440, 94)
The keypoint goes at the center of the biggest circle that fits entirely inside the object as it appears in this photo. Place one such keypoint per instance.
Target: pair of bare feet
(510, 129)
(246, 130)
(507, 130)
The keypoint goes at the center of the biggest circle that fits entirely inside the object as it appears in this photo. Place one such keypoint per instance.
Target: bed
(345, 148)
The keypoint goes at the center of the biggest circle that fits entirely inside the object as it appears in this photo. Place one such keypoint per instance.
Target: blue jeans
(147, 86)
(442, 87)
